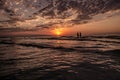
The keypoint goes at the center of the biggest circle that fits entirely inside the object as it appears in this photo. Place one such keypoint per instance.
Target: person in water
(79, 35)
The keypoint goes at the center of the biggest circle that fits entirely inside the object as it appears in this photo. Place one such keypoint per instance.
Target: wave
(84, 49)
(93, 48)
(48, 46)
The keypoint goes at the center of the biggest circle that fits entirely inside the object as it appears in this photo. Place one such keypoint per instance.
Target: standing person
(77, 35)
(80, 34)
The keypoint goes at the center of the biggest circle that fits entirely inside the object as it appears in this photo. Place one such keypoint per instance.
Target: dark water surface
(44, 59)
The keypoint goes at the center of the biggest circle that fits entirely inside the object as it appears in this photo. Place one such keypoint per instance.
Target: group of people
(79, 34)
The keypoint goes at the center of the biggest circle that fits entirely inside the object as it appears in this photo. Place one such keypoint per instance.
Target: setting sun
(58, 31)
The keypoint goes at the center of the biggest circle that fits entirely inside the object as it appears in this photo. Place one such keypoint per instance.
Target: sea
(60, 58)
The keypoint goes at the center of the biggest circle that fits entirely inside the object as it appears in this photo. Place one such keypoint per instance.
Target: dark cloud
(15, 30)
(46, 13)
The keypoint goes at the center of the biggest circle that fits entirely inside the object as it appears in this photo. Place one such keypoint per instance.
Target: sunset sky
(59, 17)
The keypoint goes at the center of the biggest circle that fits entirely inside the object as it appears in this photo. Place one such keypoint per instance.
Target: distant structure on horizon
(79, 35)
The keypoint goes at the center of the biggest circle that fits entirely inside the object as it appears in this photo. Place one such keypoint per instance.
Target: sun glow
(58, 31)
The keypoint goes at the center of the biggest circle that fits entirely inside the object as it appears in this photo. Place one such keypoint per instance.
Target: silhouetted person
(77, 35)
(80, 35)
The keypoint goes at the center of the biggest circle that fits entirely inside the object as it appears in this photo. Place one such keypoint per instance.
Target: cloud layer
(27, 14)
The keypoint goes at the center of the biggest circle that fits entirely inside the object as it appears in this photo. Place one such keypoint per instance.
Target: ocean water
(26, 58)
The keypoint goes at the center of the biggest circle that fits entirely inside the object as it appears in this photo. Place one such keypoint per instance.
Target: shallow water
(45, 59)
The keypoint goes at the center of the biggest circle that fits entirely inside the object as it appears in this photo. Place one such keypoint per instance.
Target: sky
(59, 17)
